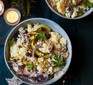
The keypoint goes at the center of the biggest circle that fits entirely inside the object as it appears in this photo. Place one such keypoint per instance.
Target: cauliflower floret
(40, 59)
(63, 41)
(19, 41)
(44, 48)
(67, 12)
(22, 51)
(32, 59)
(55, 36)
(91, 1)
(29, 26)
(57, 45)
(21, 30)
(49, 60)
(61, 7)
(31, 29)
(50, 70)
(40, 69)
(15, 67)
(75, 2)
(56, 69)
(66, 55)
(14, 50)
(74, 14)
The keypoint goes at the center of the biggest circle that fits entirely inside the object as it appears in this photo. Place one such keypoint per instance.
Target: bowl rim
(76, 18)
(43, 83)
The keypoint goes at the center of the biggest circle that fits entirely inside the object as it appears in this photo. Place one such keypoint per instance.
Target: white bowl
(79, 17)
(54, 27)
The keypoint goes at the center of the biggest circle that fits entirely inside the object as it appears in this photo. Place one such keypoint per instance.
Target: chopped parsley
(80, 11)
(87, 3)
(11, 42)
(29, 65)
(41, 36)
(57, 61)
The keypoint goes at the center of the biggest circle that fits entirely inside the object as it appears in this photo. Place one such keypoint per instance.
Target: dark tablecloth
(81, 35)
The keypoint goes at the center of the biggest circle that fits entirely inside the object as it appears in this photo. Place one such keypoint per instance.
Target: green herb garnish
(41, 36)
(80, 11)
(57, 61)
(87, 3)
(11, 42)
(29, 65)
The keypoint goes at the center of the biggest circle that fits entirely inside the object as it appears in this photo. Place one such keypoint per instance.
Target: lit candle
(1, 7)
(12, 16)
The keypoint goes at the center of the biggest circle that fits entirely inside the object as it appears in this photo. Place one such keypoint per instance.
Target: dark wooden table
(81, 35)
